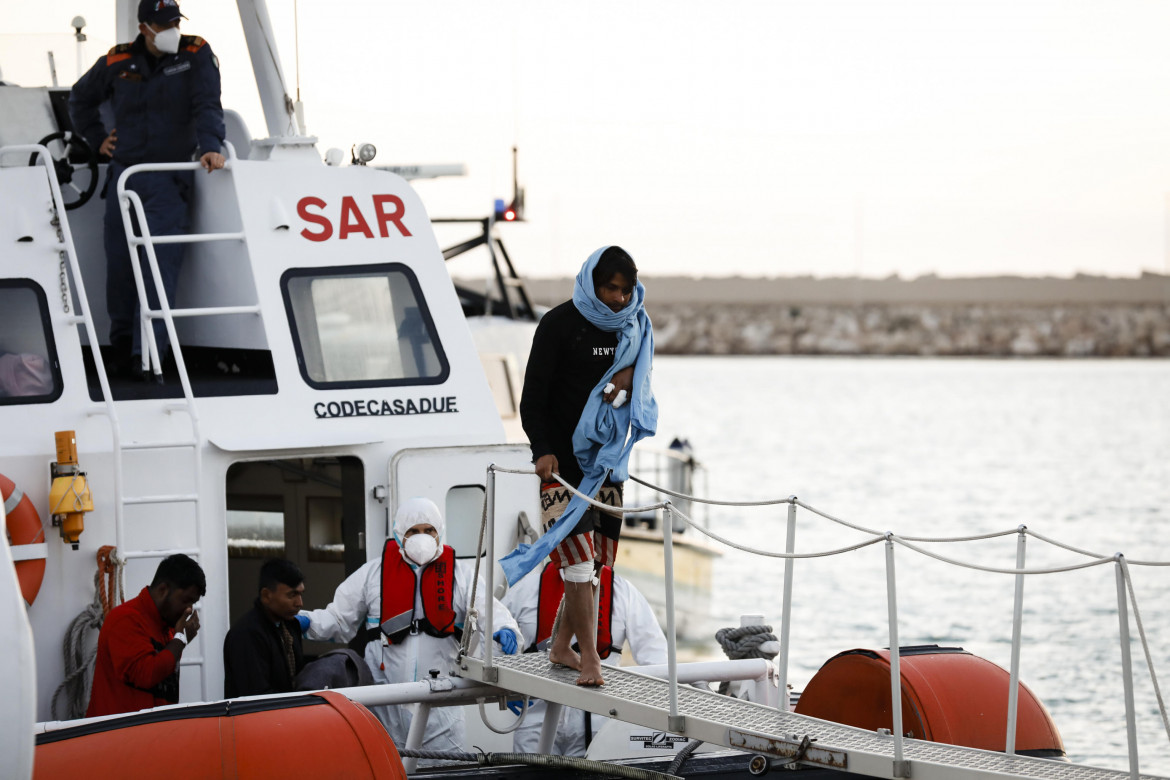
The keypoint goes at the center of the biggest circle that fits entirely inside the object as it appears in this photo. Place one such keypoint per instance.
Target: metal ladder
(128, 201)
(67, 252)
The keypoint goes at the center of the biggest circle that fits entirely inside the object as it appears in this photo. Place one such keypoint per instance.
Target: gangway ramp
(734, 723)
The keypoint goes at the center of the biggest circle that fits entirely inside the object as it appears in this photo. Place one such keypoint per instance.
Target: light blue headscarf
(604, 436)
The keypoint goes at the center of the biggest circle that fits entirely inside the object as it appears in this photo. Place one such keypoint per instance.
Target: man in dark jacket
(262, 652)
(163, 89)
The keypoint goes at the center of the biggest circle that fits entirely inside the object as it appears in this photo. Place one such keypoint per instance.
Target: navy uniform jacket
(164, 108)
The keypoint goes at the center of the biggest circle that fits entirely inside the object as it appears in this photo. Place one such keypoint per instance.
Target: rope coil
(72, 696)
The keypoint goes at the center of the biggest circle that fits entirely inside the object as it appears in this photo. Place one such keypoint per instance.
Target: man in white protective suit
(411, 603)
(623, 614)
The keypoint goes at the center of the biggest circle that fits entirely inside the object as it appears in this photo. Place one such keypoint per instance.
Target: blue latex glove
(507, 639)
(304, 621)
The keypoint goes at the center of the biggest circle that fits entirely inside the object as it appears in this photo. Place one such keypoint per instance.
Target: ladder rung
(171, 499)
(206, 311)
(159, 445)
(76, 319)
(189, 238)
(193, 661)
(138, 554)
(94, 411)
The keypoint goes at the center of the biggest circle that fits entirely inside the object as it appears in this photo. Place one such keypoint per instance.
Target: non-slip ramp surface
(723, 720)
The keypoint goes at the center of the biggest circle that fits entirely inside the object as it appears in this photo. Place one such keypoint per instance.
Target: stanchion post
(786, 607)
(1126, 668)
(1017, 637)
(676, 723)
(489, 598)
(900, 767)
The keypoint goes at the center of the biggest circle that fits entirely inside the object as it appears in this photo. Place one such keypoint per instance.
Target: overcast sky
(964, 137)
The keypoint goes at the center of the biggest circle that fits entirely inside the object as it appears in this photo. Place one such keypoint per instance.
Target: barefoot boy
(589, 356)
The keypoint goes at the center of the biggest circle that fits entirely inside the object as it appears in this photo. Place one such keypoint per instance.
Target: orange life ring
(24, 528)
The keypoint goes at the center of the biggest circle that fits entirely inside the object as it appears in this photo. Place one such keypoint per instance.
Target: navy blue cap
(158, 11)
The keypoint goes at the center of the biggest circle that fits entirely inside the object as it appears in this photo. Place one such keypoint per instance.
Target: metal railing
(1125, 597)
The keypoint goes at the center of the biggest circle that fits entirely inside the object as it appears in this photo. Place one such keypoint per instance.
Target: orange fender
(319, 735)
(24, 528)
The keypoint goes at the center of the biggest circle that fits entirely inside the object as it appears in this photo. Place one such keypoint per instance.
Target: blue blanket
(604, 436)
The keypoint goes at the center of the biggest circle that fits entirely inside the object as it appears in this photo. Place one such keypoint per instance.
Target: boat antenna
(298, 106)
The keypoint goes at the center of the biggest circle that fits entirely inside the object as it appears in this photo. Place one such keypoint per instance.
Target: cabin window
(362, 326)
(29, 370)
(464, 514)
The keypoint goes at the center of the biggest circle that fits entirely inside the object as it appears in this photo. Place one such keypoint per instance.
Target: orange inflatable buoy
(24, 528)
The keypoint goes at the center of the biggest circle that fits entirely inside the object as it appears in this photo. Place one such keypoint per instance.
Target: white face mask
(421, 548)
(167, 41)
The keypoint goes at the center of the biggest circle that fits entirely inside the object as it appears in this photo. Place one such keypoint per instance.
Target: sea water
(1075, 450)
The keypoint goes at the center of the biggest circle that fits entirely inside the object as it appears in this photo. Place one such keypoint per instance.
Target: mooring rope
(72, 696)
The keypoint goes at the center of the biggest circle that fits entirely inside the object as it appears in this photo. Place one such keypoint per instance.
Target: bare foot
(570, 659)
(590, 676)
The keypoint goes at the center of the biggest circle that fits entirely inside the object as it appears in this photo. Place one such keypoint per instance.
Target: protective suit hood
(412, 512)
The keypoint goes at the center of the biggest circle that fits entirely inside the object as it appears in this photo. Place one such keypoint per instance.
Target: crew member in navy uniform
(411, 604)
(163, 89)
(623, 615)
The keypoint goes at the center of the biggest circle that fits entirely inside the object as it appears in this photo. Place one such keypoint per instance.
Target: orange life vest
(438, 592)
(552, 588)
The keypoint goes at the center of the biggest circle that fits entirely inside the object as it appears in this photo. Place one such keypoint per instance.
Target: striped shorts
(595, 537)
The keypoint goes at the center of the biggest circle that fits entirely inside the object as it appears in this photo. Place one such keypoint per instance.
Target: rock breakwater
(1096, 330)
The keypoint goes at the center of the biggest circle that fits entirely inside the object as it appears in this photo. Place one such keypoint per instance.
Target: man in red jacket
(141, 641)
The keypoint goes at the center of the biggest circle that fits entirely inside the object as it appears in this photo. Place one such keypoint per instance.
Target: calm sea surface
(1075, 450)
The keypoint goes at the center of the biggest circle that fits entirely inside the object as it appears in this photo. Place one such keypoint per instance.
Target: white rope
(863, 529)
(712, 501)
(1145, 645)
(994, 569)
(1070, 548)
(768, 553)
(519, 719)
(74, 690)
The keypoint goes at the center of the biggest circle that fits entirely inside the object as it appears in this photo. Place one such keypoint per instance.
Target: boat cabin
(323, 371)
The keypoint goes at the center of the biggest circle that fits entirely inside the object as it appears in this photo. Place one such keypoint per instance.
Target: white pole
(1127, 669)
(274, 99)
(548, 729)
(895, 661)
(414, 737)
(671, 657)
(786, 613)
(1017, 635)
(489, 598)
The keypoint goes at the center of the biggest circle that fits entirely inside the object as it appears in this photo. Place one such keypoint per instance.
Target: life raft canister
(26, 536)
(948, 695)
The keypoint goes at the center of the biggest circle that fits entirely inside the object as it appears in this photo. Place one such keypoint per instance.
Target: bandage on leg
(578, 572)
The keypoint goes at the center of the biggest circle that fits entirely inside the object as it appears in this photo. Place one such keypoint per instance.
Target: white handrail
(901, 767)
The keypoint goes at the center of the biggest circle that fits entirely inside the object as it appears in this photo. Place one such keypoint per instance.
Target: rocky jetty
(1082, 316)
(1109, 330)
